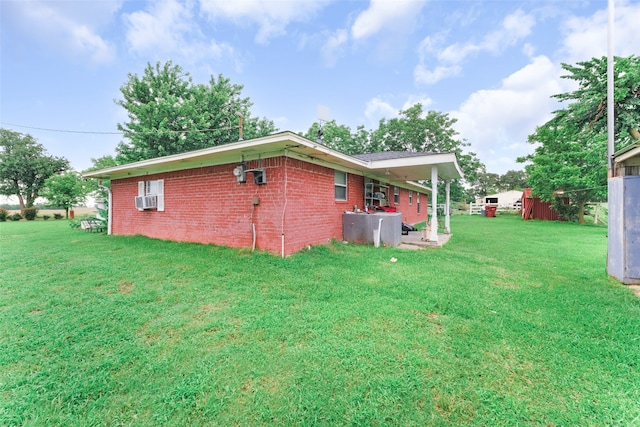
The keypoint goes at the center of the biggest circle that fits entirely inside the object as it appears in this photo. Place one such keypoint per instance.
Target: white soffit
(419, 167)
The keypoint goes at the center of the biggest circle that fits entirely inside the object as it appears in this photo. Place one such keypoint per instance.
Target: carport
(413, 166)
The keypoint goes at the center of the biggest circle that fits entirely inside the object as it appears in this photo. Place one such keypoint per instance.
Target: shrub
(46, 217)
(4, 214)
(30, 213)
(566, 212)
(57, 216)
(15, 217)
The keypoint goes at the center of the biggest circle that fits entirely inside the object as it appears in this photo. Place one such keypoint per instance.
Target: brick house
(278, 193)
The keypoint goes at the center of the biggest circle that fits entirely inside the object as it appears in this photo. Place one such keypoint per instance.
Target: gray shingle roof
(389, 155)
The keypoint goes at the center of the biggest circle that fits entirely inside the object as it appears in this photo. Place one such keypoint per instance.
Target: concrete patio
(414, 240)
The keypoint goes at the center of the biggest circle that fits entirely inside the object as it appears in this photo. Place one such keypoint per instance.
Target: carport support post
(433, 236)
(447, 208)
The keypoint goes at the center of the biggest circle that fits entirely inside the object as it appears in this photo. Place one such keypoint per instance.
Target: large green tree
(340, 137)
(100, 188)
(569, 162)
(513, 180)
(66, 190)
(24, 166)
(571, 148)
(417, 130)
(169, 114)
(486, 183)
(588, 104)
(413, 130)
(432, 132)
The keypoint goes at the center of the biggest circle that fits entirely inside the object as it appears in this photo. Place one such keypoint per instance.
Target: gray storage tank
(359, 227)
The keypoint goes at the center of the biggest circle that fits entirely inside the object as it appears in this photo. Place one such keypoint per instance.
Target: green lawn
(512, 323)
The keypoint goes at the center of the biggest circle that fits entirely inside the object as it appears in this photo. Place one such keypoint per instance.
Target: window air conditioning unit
(146, 202)
(259, 176)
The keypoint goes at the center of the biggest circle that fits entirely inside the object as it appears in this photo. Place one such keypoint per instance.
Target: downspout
(284, 208)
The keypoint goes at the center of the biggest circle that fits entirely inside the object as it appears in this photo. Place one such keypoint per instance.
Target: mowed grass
(511, 323)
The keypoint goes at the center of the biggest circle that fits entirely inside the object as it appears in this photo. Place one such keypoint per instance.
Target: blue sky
(492, 65)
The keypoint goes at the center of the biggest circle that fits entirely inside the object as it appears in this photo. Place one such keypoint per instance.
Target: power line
(120, 133)
(62, 130)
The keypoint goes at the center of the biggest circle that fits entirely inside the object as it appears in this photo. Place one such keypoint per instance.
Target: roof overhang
(418, 168)
(401, 171)
(627, 152)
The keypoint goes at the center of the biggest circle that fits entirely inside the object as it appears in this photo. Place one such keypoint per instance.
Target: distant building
(507, 199)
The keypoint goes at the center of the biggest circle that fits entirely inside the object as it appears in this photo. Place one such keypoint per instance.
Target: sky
(491, 65)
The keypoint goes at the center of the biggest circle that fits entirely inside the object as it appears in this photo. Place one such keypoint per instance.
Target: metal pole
(610, 82)
(434, 204)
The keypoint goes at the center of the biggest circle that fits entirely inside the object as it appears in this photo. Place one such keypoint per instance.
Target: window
(396, 195)
(410, 197)
(153, 188)
(341, 185)
(418, 202)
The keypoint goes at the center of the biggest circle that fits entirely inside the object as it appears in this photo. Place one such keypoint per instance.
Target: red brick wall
(410, 213)
(208, 205)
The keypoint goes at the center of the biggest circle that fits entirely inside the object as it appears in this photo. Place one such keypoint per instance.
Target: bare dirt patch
(125, 288)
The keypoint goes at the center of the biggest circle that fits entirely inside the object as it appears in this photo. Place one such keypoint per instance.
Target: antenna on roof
(240, 125)
(323, 116)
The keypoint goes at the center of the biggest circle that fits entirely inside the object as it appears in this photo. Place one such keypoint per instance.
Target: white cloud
(515, 27)
(72, 30)
(384, 14)
(529, 50)
(415, 99)
(422, 75)
(497, 122)
(272, 17)
(377, 109)
(161, 27)
(168, 27)
(334, 46)
(86, 41)
(586, 37)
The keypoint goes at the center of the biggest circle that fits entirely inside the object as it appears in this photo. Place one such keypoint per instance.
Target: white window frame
(340, 185)
(410, 197)
(418, 202)
(396, 195)
(145, 188)
(149, 188)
